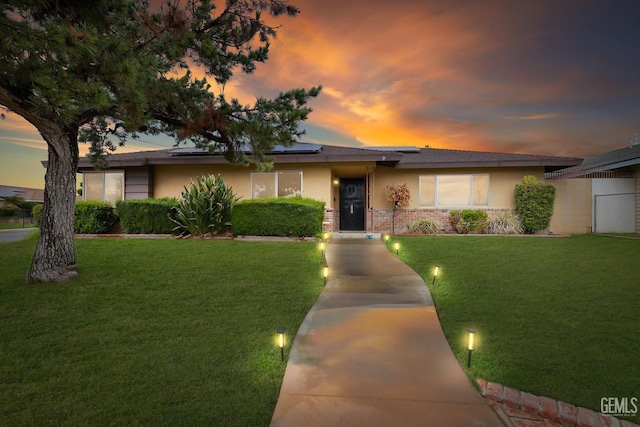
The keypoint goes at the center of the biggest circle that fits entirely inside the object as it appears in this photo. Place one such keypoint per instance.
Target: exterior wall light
(436, 271)
(396, 246)
(336, 181)
(471, 344)
(325, 273)
(281, 340)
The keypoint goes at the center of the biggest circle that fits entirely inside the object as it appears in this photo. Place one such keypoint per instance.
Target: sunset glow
(544, 77)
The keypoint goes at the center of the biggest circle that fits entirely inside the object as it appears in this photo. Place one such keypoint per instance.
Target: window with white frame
(276, 184)
(454, 190)
(103, 186)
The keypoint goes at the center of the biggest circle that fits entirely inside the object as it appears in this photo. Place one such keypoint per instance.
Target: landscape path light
(471, 344)
(386, 239)
(396, 246)
(325, 273)
(436, 271)
(325, 236)
(322, 248)
(281, 340)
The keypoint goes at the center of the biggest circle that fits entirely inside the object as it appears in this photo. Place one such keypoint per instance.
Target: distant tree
(19, 202)
(104, 70)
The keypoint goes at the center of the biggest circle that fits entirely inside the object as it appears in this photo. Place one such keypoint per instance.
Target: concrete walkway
(371, 352)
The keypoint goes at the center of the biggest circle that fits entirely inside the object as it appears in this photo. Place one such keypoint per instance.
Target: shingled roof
(605, 165)
(403, 159)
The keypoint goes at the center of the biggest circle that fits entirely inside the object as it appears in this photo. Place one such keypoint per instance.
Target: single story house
(603, 192)
(35, 195)
(351, 181)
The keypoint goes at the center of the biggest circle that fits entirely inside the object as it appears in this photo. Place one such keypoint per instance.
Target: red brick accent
(482, 384)
(568, 414)
(503, 417)
(494, 392)
(549, 408)
(518, 413)
(511, 397)
(609, 421)
(533, 411)
(383, 219)
(520, 422)
(530, 402)
(588, 418)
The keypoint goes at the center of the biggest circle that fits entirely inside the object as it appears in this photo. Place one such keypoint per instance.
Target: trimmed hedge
(37, 214)
(8, 212)
(291, 217)
(93, 217)
(534, 203)
(146, 216)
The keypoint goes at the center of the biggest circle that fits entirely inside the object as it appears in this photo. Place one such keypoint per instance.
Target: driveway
(15, 234)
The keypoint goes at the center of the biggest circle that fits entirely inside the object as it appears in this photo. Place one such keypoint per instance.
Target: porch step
(367, 235)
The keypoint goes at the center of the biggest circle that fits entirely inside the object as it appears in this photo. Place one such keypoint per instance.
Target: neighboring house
(351, 181)
(28, 194)
(602, 194)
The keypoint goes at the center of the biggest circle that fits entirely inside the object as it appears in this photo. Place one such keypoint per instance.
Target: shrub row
(147, 216)
(471, 221)
(292, 217)
(136, 216)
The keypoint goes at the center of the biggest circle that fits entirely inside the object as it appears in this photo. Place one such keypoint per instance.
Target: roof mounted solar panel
(394, 148)
(296, 148)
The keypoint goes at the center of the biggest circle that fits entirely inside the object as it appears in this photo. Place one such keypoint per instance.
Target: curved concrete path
(371, 352)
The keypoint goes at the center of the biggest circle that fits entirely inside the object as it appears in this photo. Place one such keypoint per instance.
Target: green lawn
(152, 332)
(558, 317)
(11, 225)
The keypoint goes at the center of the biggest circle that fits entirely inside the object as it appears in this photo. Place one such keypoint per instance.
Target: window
(276, 184)
(454, 190)
(103, 186)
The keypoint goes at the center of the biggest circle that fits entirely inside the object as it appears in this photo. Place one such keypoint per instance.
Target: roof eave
(490, 164)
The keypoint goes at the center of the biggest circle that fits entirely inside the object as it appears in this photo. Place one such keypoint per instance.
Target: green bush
(468, 220)
(146, 216)
(534, 203)
(93, 217)
(204, 207)
(291, 216)
(425, 226)
(8, 212)
(37, 214)
(505, 223)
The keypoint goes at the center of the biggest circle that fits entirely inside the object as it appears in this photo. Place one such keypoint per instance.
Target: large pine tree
(100, 71)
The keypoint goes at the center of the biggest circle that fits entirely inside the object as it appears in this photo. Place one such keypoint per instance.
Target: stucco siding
(573, 206)
(636, 174)
(171, 179)
(502, 183)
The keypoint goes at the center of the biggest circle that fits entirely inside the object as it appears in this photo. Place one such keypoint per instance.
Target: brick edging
(518, 408)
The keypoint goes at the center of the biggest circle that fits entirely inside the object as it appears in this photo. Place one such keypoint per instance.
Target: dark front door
(352, 204)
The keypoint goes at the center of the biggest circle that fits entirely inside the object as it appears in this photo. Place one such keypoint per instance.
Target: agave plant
(204, 207)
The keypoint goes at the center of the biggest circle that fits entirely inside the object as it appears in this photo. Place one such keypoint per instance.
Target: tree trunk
(55, 257)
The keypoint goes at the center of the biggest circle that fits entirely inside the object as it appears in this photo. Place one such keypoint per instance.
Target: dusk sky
(556, 77)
